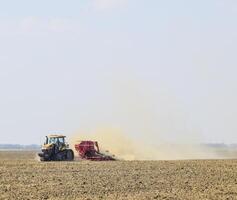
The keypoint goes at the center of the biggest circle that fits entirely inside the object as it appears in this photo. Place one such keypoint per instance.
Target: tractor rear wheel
(70, 155)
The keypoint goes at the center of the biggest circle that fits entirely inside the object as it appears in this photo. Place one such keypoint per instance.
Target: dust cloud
(142, 122)
(124, 147)
(37, 158)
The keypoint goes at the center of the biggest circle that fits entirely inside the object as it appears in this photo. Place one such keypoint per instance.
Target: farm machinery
(89, 150)
(55, 148)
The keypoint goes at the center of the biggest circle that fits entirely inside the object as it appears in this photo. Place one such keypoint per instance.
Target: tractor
(55, 148)
(89, 150)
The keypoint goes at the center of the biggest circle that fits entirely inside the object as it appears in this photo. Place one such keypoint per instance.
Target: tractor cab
(55, 139)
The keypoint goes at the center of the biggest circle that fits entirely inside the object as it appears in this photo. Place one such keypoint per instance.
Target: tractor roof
(56, 136)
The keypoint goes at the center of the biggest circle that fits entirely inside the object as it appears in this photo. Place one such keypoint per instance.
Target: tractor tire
(42, 159)
(70, 155)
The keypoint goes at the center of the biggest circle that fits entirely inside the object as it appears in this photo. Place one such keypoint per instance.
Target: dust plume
(37, 158)
(140, 122)
(126, 148)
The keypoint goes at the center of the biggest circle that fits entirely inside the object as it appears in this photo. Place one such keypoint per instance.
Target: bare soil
(23, 177)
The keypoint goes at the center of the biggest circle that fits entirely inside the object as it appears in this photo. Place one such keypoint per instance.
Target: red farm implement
(89, 150)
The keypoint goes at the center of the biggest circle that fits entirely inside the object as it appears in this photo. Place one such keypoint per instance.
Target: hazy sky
(165, 67)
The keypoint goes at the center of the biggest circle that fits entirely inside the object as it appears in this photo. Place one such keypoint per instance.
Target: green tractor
(56, 149)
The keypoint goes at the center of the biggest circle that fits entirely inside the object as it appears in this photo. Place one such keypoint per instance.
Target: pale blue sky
(163, 67)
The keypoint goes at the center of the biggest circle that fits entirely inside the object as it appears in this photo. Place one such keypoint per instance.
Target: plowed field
(22, 177)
